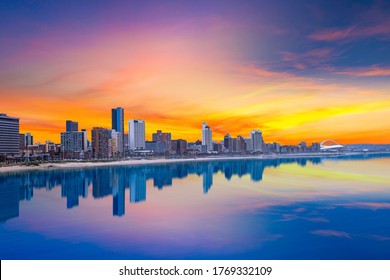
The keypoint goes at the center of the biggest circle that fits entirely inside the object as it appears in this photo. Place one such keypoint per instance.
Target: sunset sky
(297, 70)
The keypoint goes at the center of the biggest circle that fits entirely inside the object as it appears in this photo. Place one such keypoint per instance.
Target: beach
(129, 162)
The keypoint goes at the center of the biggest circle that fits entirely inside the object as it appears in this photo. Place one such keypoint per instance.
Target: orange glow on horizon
(175, 83)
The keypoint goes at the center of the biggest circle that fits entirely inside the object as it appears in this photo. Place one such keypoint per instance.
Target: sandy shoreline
(129, 162)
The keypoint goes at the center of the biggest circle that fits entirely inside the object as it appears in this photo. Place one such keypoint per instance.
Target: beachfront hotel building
(257, 140)
(207, 138)
(136, 135)
(9, 135)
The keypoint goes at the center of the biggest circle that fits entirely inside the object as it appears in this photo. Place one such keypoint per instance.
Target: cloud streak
(331, 233)
(372, 71)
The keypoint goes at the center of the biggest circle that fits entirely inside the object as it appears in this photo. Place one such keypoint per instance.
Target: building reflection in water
(137, 182)
(114, 180)
(207, 177)
(118, 195)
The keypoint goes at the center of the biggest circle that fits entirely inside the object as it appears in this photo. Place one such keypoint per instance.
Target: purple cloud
(334, 233)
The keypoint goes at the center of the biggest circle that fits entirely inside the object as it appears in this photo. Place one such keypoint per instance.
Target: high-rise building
(157, 147)
(125, 142)
(228, 143)
(136, 135)
(9, 135)
(72, 126)
(85, 140)
(160, 136)
(178, 146)
(234, 145)
(116, 143)
(29, 139)
(257, 140)
(207, 138)
(241, 145)
(72, 141)
(248, 145)
(117, 119)
(100, 142)
(22, 141)
(217, 147)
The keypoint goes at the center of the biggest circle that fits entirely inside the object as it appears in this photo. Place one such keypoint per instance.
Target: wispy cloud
(333, 34)
(372, 71)
(291, 217)
(334, 233)
(310, 59)
(367, 205)
(373, 21)
(380, 237)
(357, 31)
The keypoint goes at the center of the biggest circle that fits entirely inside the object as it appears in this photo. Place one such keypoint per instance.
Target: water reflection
(113, 181)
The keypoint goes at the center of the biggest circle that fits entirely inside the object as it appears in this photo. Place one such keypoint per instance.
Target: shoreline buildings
(257, 140)
(110, 143)
(117, 124)
(9, 135)
(136, 135)
(207, 137)
(74, 143)
(101, 145)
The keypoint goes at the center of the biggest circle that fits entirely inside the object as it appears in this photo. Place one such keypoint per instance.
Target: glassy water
(312, 208)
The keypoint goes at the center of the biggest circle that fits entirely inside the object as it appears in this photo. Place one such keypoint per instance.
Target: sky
(297, 70)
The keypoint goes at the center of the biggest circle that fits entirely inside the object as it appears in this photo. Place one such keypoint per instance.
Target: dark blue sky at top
(276, 34)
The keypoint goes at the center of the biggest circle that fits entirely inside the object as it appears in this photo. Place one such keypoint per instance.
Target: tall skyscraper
(257, 140)
(9, 135)
(72, 126)
(207, 138)
(117, 119)
(136, 134)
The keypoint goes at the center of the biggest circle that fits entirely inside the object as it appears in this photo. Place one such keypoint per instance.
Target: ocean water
(298, 208)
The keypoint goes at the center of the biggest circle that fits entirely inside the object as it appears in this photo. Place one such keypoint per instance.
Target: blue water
(303, 208)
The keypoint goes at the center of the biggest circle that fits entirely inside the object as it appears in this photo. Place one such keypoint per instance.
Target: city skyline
(295, 71)
(149, 136)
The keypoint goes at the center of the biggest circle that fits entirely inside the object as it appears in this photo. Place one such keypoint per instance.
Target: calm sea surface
(314, 208)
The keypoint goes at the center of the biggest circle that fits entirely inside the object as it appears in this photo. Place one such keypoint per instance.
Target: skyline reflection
(114, 180)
